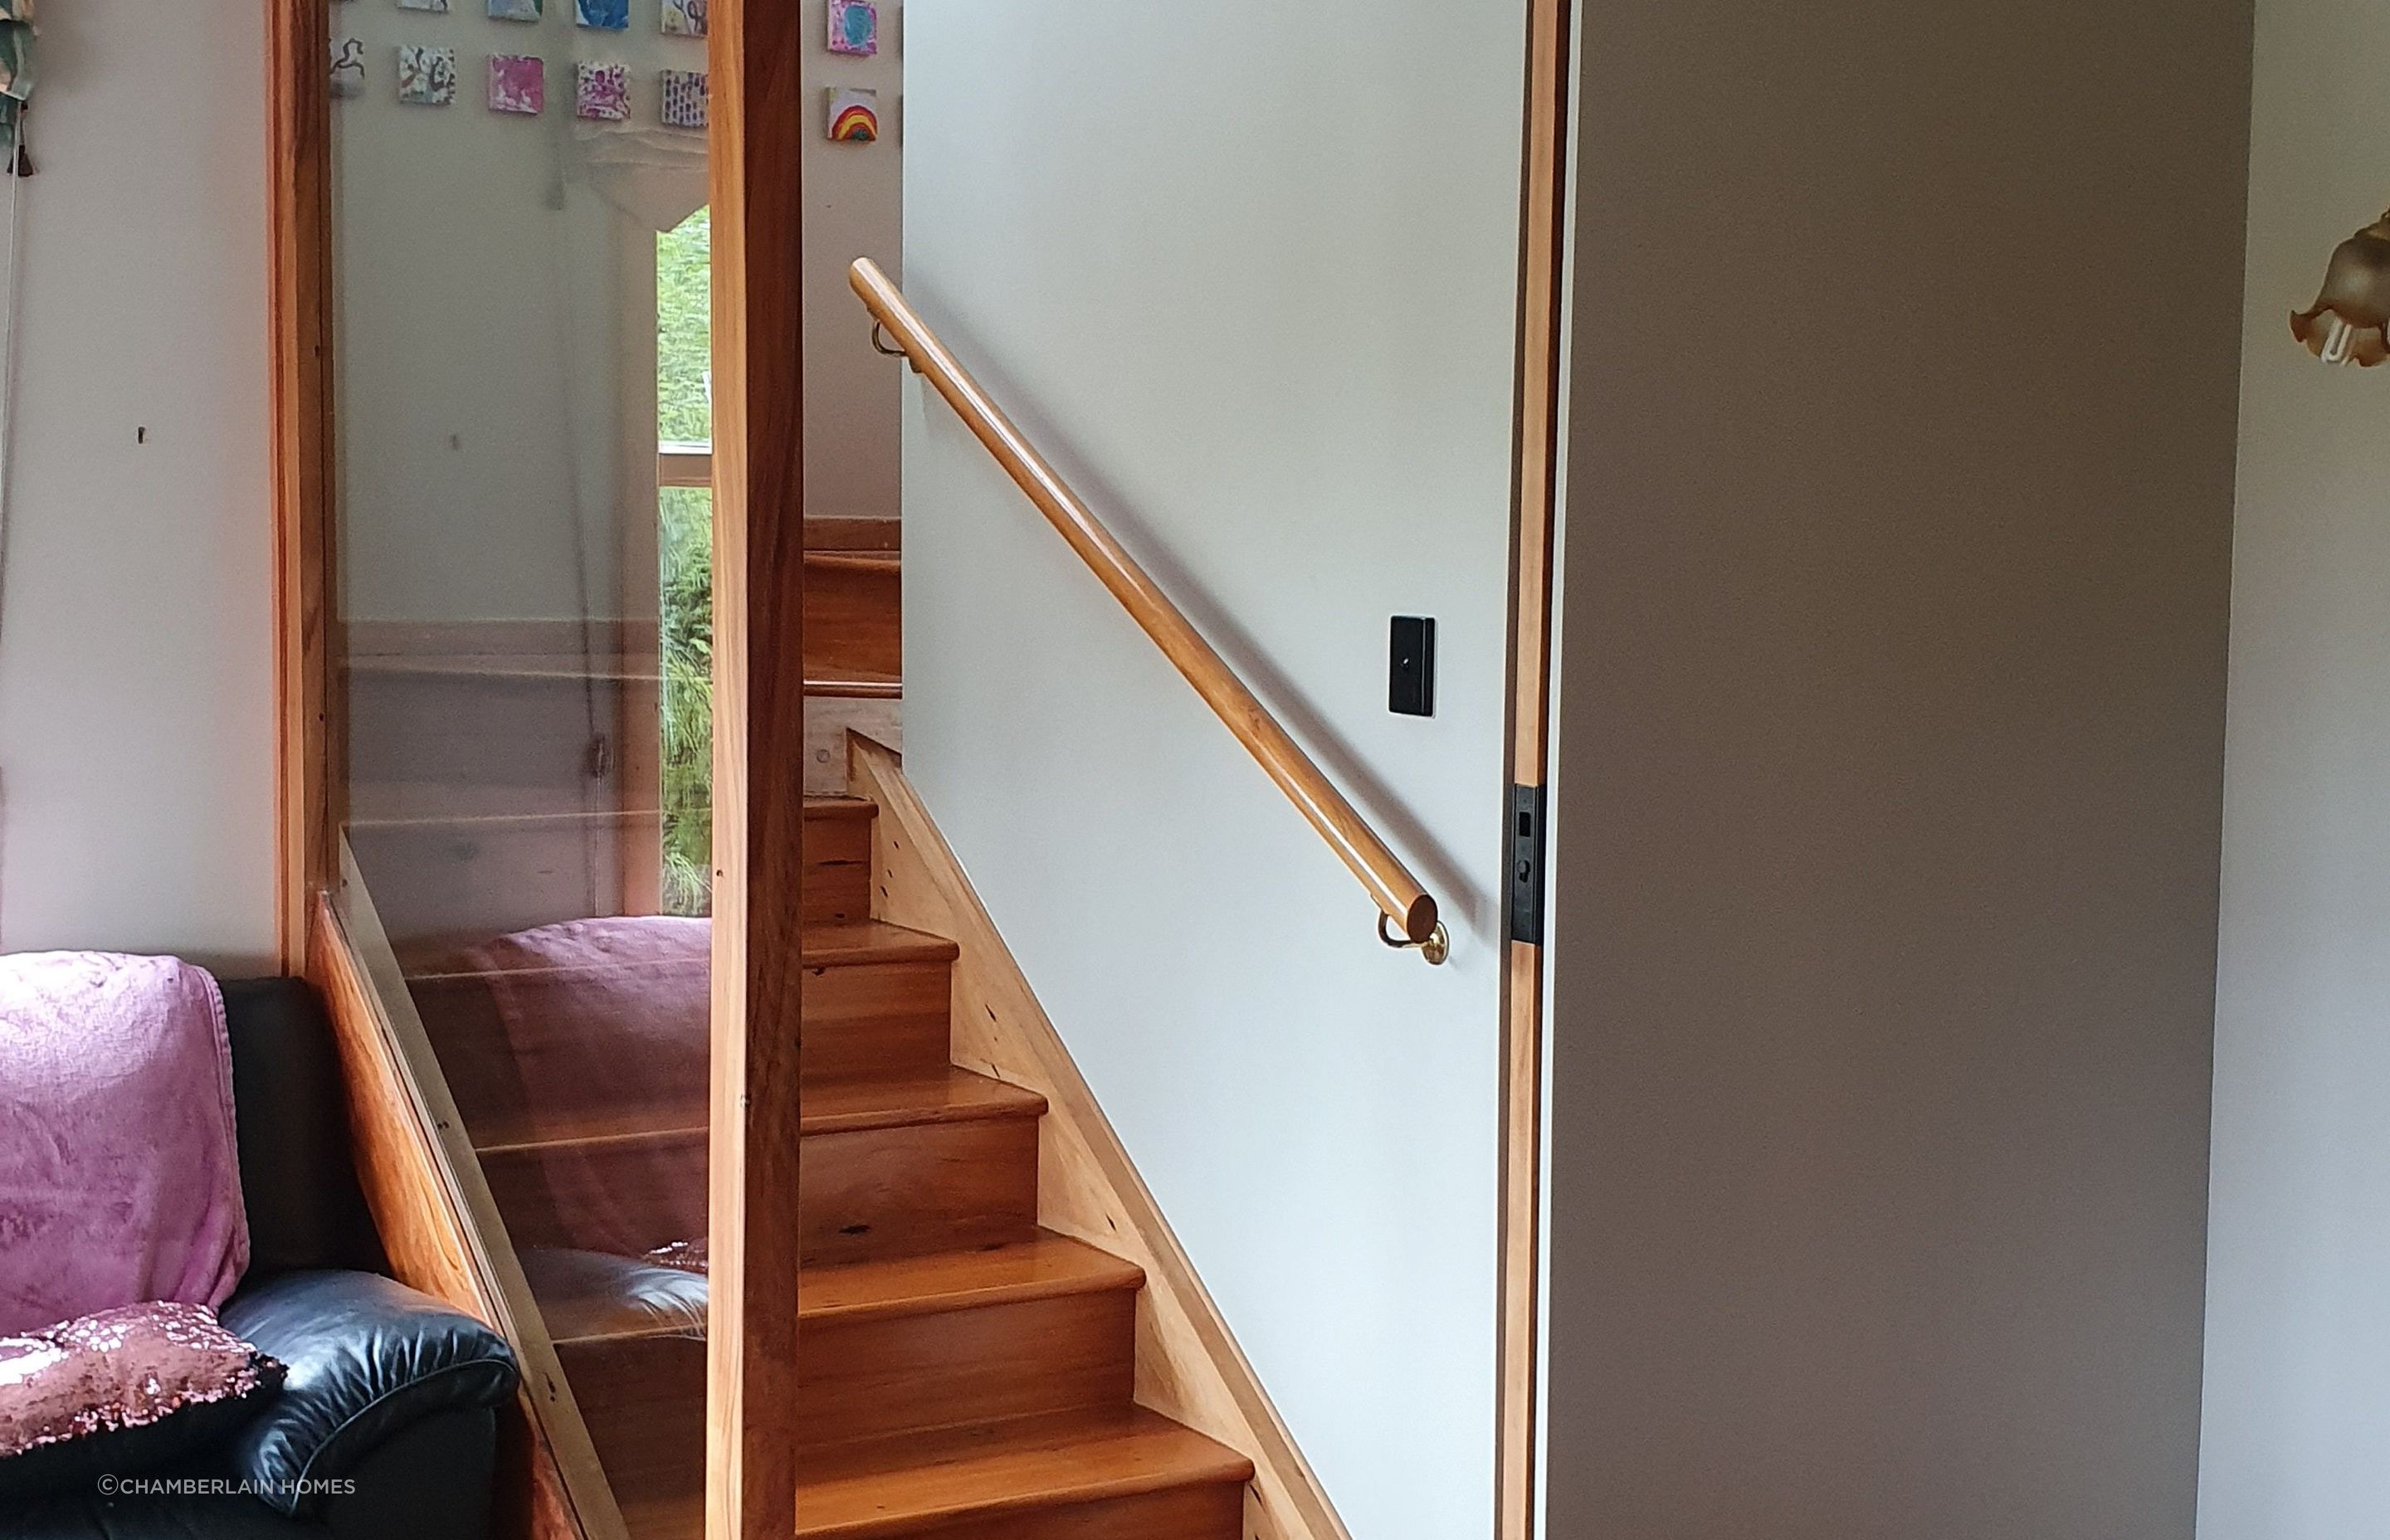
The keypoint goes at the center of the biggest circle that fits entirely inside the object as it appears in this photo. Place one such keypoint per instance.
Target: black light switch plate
(1410, 689)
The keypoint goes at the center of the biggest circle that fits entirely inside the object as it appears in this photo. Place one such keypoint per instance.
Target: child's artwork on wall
(603, 91)
(614, 16)
(427, 77)
(854, 27)
(347, 67)
(854, 115)
(439, 5)
(684, 98)
(516, 10)
(518, 83)
(683, 18)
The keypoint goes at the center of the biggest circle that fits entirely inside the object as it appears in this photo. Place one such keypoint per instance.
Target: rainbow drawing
(854, 115)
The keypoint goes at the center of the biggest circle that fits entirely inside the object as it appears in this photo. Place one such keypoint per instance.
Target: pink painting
(518, 83)
(603, 91)
(854, 27)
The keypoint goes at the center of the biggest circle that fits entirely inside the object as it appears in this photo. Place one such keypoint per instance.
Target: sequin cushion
(122, 1392)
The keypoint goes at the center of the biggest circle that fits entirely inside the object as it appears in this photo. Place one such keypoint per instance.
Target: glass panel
(521, 257)
(684, 419)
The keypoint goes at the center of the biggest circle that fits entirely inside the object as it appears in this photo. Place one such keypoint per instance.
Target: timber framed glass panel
(522, 641)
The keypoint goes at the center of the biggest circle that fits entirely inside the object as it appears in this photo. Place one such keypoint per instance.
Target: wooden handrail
(1398, 894)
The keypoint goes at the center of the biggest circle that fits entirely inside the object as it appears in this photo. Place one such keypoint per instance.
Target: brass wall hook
(1435, 949)
(882, 345)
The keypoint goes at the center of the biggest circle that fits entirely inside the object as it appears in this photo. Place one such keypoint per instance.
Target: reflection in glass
(525, 606)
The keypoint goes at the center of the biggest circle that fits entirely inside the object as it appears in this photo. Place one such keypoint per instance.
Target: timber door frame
(1543, 246)
(299, 320)
(758, 131)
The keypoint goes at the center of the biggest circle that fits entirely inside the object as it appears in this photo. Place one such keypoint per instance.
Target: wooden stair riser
(480, 877)
(837, 885)
(875, 1376)
(853, 616)
(901, 1191)
(877, 1017)
(865, 1194)
(1203, 1511)
(869, 1378)
(856, 1015)
(1212, 1510)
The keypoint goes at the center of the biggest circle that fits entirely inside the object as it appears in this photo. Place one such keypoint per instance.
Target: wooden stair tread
(870, 941)
(1047, 1267)
(844, 945)
(822, 808)
(883, 563)
(903, 1486)
(830, 1107)
(1044, 1267)
(903, 1101)
(856, 684)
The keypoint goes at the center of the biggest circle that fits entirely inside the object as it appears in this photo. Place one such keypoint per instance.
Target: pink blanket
(120, 1182)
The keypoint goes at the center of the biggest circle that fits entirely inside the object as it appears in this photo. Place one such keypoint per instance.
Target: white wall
(1890, 767)
(855, 207)
(1251, 283)
(136, 729)
(2298, 1352)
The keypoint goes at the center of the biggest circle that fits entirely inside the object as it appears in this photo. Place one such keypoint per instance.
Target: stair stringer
(1188, 1366)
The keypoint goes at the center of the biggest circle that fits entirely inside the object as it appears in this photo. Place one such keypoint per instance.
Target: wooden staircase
(966, 1374)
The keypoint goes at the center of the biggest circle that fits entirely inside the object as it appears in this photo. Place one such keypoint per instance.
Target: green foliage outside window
(685, 414)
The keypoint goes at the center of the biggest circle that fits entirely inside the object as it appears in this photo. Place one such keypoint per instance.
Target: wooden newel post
(758, 761)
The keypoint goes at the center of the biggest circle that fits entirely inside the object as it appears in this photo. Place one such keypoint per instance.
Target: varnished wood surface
(528, 1071)
(760, 114)
(875, 1374)
(1542, 238)
(1188, 1365)
(856, 686)
(948, 1095)
(1389, 882)
(833, 532)
(298, 309)
(975, 1475)
(439, 1222)
(1110, 1475)
(886, 1188)
(901, 1191)
(854, 614)
(944, 1094)
(1043, 1267)
(869, 563)
(395, 1159)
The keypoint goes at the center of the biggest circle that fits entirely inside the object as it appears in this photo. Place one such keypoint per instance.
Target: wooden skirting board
(439, 1223)
(1188, 1366)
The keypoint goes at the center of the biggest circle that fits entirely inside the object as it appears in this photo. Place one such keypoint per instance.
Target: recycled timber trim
(1542, 253)
(1188, 1366)
(439, 1223)
(759, 127)
(298, 311)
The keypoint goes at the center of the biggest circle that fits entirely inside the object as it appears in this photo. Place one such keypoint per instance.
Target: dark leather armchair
(387, 1426)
